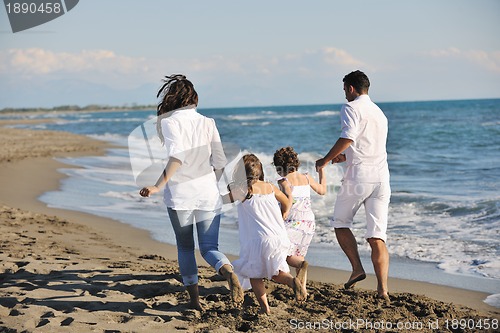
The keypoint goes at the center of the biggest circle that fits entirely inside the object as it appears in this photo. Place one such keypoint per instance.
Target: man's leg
(377, 212)
(349, 245)
(349, 199)
(380, 260)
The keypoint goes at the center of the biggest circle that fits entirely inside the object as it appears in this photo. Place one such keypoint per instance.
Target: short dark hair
(358, 80)
(285, 161)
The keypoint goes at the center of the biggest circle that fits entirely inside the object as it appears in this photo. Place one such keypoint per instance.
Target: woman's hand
(148, 190)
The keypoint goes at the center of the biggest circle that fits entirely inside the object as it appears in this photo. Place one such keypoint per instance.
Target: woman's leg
(207, 226)
(259, 290)
(208, 239)
(183, 229)
(194, 297)
(234, 284)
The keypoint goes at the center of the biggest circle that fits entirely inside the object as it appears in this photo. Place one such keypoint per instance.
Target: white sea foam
(490, 123)
(82, 120)
(493, 300)
(326, 113)
(276, 115)
(264, 123)
(110, 137)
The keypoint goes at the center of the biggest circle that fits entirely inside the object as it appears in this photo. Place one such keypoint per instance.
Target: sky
(253, 53)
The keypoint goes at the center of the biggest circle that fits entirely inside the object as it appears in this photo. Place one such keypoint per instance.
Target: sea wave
(275, 115)
(493, 300)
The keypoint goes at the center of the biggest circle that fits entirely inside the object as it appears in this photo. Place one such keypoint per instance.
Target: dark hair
(176, 92)
(358, 80)
(285, 161)
(253, 171)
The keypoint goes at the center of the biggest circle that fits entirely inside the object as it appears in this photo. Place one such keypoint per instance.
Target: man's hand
(339, 159)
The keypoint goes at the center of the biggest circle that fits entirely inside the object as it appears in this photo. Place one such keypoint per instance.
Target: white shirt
(365, 124)
(194, 140)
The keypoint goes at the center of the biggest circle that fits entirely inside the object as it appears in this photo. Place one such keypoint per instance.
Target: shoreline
(35, 173)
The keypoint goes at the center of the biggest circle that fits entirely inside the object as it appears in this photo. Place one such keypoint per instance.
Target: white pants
(374, 196)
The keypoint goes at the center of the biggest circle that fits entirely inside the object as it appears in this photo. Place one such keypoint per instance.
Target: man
(362, 144)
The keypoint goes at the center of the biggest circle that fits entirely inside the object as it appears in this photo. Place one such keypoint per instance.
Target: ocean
(444, 160)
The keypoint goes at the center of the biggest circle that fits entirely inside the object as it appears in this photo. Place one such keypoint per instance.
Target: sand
(65, 271)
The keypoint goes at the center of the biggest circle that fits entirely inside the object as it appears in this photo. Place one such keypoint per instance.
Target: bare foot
(266, 312)
(302, 273)
(384, 299)
(352, 281)
(195, 305)
(299, 290)
(235, 288)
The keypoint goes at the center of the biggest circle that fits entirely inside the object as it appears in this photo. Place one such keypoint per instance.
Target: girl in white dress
(300, 222)
(263, 239)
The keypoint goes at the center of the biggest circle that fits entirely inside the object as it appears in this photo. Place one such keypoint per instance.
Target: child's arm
(285, 202)
(172, 165)
(237, 192)
(321, 187)
(227, 198)
(287, 189)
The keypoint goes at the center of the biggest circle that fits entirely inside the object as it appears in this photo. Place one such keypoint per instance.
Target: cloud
(248, 79)
(37, 76)
(335, 56)
(483, 59)
(36, 61)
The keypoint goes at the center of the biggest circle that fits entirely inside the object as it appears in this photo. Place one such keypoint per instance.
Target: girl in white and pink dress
(263, 239)
(300, 222)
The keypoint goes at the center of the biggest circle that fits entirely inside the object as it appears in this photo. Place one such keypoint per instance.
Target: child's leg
(300, 266)
(298, 288)
(294, 261)
(259, 290)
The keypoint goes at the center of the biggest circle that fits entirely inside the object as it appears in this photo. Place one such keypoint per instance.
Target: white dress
(300, 223)
(263, 239)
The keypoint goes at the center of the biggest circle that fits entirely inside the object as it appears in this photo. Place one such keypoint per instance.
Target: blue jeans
(207, 228)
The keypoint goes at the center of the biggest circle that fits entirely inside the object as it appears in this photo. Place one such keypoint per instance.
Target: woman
(191, 193)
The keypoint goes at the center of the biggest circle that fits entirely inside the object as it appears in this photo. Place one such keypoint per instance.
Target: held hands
(148, 190)
(322, 162)
(339, 159)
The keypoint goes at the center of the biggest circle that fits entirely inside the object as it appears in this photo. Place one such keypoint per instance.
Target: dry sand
(64, 271)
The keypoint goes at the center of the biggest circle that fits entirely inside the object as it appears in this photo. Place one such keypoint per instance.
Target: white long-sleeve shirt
(194, 140)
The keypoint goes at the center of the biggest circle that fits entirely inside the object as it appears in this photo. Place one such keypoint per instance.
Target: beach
(67, 271)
